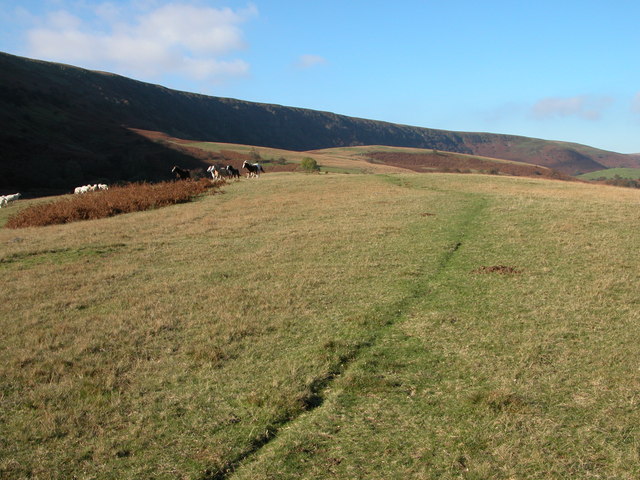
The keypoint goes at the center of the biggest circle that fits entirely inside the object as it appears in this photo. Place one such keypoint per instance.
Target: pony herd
(6, 199)
(217, 171)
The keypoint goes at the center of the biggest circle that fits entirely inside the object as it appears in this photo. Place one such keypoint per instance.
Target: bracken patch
(130, 198)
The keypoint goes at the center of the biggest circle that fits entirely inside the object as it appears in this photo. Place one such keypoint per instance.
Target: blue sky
(562, 70)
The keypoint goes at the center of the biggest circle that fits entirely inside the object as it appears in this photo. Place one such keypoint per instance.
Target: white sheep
(5, 199)
(90, 188)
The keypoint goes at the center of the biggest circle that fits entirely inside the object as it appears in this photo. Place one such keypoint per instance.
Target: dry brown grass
(284, 322)
(130, 198)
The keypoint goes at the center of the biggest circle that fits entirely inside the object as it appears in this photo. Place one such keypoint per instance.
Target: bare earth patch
(501, 269)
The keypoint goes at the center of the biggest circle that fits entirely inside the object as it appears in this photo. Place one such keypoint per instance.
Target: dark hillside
(565, 157)
(63, 126)
(60, 129)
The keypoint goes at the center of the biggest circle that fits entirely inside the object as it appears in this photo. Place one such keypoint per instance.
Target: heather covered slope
(64, 126)
(366, 159)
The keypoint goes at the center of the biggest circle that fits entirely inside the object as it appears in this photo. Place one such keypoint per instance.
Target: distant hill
(366, 159)
(63, 126)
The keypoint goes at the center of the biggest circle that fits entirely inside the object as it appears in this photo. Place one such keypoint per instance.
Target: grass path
(385, 316)
(335, 326)
(490, 375)
(134, 333)
(301, 436)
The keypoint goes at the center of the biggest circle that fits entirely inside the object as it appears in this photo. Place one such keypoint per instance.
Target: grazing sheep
(90, 188)
(6, 199)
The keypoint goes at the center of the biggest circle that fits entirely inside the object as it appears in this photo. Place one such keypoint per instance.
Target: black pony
(233, 172)
(253, 169)
(181, 174)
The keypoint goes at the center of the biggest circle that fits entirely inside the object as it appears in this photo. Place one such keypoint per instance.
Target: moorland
(386, 325)
(65, 126)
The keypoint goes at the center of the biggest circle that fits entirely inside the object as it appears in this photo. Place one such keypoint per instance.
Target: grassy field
(329, 326)
(378, 159)
(610, 173)
(339, 160)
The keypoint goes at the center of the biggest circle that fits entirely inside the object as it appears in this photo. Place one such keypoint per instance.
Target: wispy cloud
(308, 61)
(171, 39)
(589, 107)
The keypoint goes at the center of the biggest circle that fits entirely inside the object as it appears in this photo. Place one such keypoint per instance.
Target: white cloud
(62, 20)
(203, 69)
(589, 107)
(65, 46)
(174, 38)
(108, 11)
(200, 29)
(308, 61)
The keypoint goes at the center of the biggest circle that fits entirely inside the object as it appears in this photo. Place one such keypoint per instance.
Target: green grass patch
(612, 173)
(341, 169)
(57, 256)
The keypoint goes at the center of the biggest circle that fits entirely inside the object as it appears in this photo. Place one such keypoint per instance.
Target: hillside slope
(463, 326)
(365, 159)
(64, 125)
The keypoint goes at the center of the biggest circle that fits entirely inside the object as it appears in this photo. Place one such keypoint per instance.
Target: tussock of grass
(130, 198)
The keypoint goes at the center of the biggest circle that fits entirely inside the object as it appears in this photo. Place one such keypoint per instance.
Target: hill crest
(66, 125)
